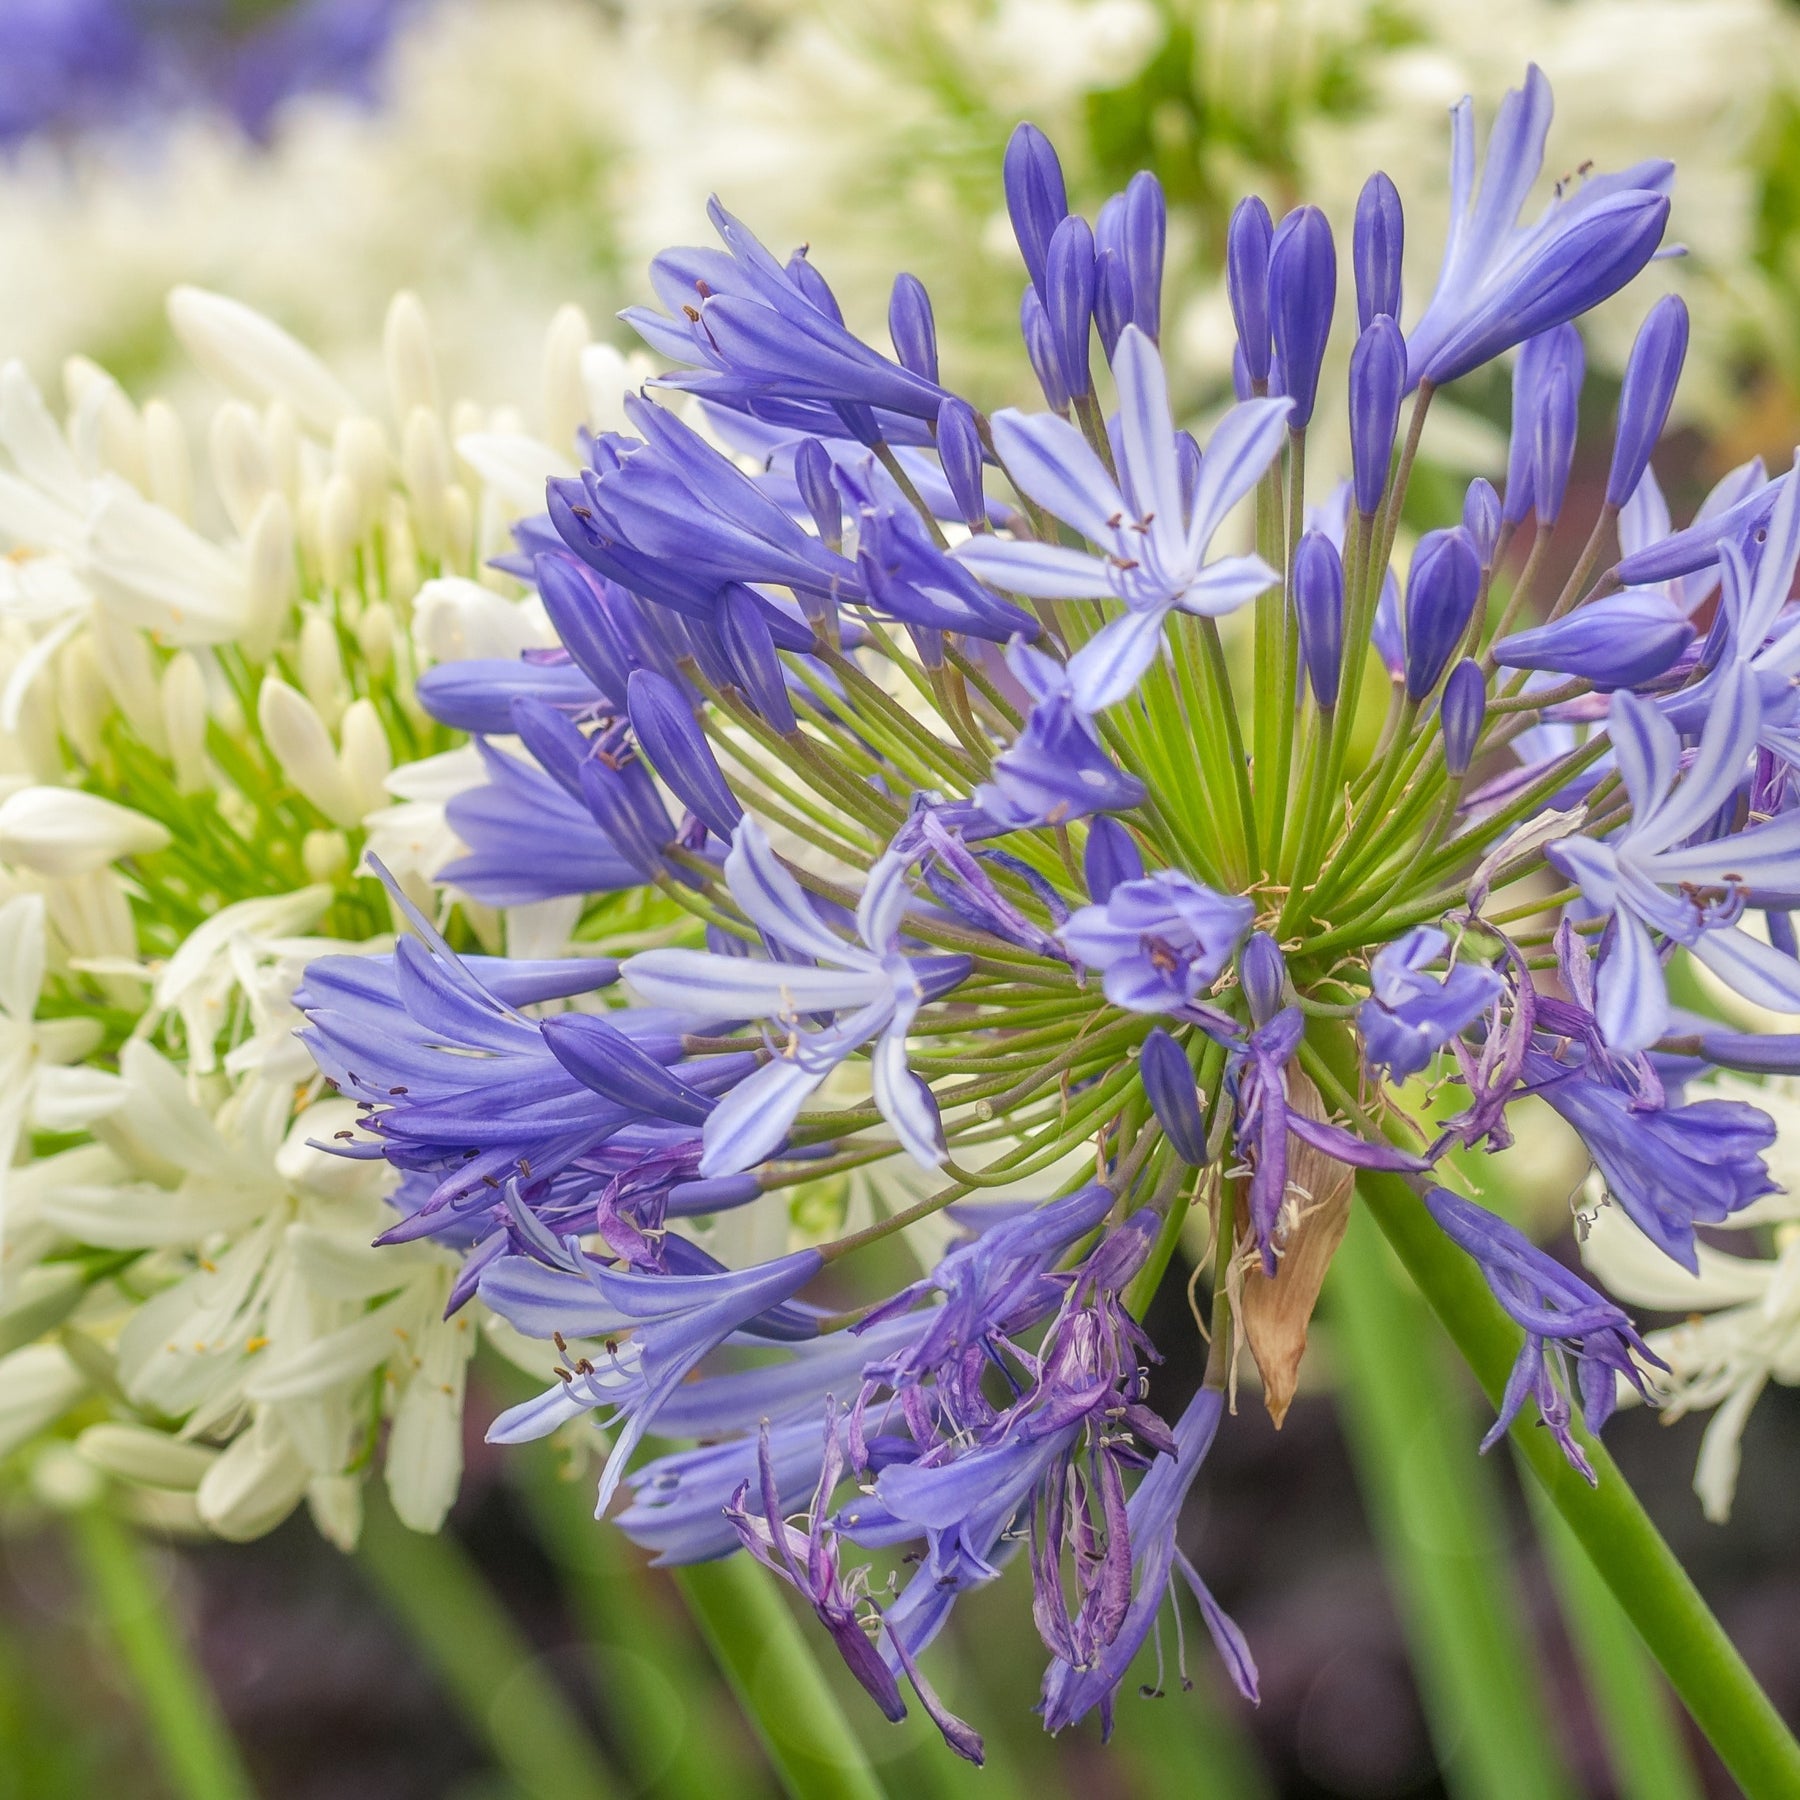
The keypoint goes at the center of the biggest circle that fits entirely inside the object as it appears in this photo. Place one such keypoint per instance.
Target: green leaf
(193, 1742)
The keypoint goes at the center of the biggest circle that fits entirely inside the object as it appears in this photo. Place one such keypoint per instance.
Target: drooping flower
(1410, 1013)
(1161, 942)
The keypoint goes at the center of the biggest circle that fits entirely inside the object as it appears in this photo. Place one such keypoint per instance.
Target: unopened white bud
(425, 470)
(184, 721)
(325, 855)
(340, 527)
(459, 527)
(255, 1484)
(168, 468)
(366, 759)
(406, 350)
(137, 1453)
(252, 355)
(37, 1384)
(299, 742)
(63, 1480)
(270, 576)
(105, 431)
(83, 703)
(565, 398)
(360, 452)
(376, 631)
(321, 667)
(402, 551)
(242, 469)
(466, 416)
(66, 831)
(129, 670)
(336, 1505)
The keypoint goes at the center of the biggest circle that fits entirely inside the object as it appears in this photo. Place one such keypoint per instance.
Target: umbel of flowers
(1028, 832)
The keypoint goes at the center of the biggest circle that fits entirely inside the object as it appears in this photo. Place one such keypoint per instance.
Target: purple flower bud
(1558, 348)
(748, 642)
(1146, 236)
(1247, 241)
(1111, 857)
(812, 474)
(1377, 380)
(814, 286)
(704, 644)
(1380, 236)
(587, 632)
(911, 327)
(1319, 606)
(1481, 518)
(625, 805)
(1555, 447)
(1644, 400)
(1068, 293)
(1036, 198)
(668, 733)
(1461, 713)
(1112, 298)
(1040, 347)
(1262, 973)
(959, 450)
(1302, 294)
(1440, 600)
(1619, 641)
(1174, 1096)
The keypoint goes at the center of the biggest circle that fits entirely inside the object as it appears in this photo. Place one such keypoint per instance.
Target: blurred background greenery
(1420, 1629)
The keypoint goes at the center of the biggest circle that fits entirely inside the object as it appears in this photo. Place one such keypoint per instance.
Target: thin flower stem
(1219, 675)
(1219, 1347)
(1584, 566)
(194, 1745)
(1282, 772)
(1270, 608)
(1522, 591)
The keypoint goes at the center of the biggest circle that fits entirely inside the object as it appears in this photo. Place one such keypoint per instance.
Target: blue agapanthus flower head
(988, 819)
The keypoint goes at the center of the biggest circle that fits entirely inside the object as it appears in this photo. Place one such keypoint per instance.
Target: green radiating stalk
(1438, 1518)
(1643, 1742)
(658, 1695)
(758, 1644)
(486, 1665)
(193, 1743)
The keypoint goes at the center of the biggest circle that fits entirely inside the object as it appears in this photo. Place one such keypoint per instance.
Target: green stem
(477, 1651)
(193, 1742)
(1435, 1509)
(1629, 1554)
(759, 1646)
(1643, 1742)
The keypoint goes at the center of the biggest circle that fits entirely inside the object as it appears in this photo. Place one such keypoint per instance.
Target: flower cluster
(932, 727)
(208, 676)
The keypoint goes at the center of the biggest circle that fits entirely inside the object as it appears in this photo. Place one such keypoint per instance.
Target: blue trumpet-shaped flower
(1152, 1515)
(656, 1330)
(1150, 528)
(1161, 942)
(771, 341)
(1056, 769)
(873, 983)
(1669, 844)
(1410, 1013)
(1560, 1314)
(1501, 282)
